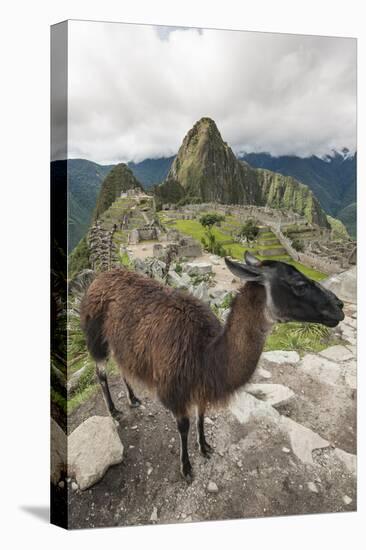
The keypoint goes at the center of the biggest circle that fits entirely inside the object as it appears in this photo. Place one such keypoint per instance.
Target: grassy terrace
(194, 229)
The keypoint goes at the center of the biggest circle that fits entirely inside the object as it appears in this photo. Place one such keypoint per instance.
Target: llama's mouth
(333, 321)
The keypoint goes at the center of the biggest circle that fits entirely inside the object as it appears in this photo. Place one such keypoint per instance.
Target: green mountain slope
(119, 180)
(84, 182)
(332, 179)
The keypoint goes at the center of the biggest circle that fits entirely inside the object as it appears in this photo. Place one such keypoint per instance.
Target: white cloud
(135, 90)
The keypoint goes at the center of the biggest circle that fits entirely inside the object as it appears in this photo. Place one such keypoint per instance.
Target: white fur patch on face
(270, 311)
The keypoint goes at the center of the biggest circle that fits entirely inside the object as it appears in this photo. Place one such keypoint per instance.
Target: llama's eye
(300, 288)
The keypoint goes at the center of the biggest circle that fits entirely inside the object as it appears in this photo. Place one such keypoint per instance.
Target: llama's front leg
(185, 465)
(204, 447)
(102, 377)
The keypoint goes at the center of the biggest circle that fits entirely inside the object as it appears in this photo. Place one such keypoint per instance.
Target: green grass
(308, 271)
(194, 229)
(300, 337)
(78, 398)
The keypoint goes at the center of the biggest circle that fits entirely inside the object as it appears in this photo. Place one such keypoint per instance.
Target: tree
(249, 230)
(209, 220)
(209, 241)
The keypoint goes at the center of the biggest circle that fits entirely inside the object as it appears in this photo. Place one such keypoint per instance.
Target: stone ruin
(183, 247)
(103, 251)
(145, 233)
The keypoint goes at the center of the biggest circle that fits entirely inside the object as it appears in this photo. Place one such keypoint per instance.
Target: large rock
(303, 440)
(348, 459)
(92, 448)
(81, 282)
(217, 296)
(200, 268)
(344, 285)
(150, 266)
(350, 374)
(73, 382)
(281, 357)
(245, 407)
(322, 370)
(270, 393)
(174, 279)
(337, 353)
(201, 292)
(58, 452)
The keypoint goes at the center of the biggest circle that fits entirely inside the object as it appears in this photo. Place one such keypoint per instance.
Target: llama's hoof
(206, 450)
(134, 403)
(116, 414)
(187, 472)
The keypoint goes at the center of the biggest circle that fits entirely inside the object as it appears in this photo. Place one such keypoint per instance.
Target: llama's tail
(92, 315)
(96, 342)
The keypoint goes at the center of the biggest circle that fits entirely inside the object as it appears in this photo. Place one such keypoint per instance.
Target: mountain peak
(206, 170)
(118, 180)
(204, 131)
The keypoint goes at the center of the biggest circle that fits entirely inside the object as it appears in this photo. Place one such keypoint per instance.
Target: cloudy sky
(134, 91)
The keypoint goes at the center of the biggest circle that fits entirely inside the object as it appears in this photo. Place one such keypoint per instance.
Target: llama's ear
(251, 260)
(244, 271)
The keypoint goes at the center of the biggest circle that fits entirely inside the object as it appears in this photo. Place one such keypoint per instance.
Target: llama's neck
(236, 352)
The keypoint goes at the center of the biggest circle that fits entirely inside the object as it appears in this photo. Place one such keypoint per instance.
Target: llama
(176, 346)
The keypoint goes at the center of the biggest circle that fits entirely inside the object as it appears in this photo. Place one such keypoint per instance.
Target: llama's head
(291, 296)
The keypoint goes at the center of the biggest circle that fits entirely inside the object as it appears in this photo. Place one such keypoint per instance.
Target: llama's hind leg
(185, 465)
(205, 448)
(102, 377)
(132, 399)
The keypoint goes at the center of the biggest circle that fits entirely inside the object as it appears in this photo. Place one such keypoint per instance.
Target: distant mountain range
(85, 180)
(332, 179)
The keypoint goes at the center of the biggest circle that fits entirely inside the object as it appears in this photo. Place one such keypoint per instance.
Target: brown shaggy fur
(172, 342)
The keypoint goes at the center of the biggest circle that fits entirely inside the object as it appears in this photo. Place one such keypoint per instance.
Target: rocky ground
(286, 445)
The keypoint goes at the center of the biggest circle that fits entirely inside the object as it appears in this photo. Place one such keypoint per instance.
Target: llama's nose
(340, 303)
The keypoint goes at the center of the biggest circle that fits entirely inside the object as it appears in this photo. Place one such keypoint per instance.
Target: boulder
(281, 357)
(201, 268)
(92, 448)
(348, 459)
(81, 282)
(344, 284)
(270, 393)
(350, 374)
(217, 296)
(186, 280)
(201, 292)
(337, 353)
(245, 407)
(157, 269)
(58, 452)
(322, 370)
(74, 380)
(174, 279)
(303, 440)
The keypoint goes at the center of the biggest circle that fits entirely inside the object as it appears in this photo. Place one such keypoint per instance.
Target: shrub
(298, 245)
(249, 230)
(209, 220)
